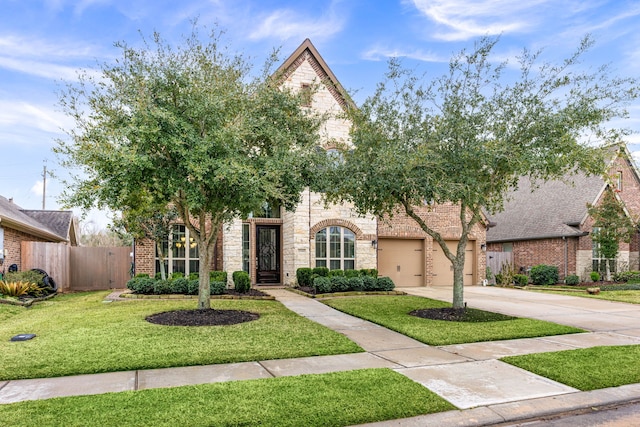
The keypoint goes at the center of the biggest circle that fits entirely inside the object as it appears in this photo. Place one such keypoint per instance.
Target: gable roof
(554, 209)
(54, 226)
(308, 52)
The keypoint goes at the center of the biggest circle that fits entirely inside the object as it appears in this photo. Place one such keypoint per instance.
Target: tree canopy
(191, 126)
(467, 136)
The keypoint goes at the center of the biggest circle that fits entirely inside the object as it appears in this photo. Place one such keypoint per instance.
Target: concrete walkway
(468, 375)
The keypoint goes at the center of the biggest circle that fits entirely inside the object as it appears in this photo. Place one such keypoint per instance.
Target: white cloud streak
(378, 53)
(286, 24)
(466, 19)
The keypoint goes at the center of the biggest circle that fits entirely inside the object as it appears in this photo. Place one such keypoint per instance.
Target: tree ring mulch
(209, 317)
(451, 314)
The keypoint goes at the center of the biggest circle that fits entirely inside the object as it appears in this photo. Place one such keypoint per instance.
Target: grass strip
(335, 399)
(628, 296)
(80, 334)
(585, 369)
(392, 312)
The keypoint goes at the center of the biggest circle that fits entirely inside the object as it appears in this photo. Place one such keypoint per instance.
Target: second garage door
(442, 268)
(402, 260)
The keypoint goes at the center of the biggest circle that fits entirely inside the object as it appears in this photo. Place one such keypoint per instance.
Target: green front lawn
(336, 399)
(630, 296)
(392, 312)
(585, 369)
(81, 334)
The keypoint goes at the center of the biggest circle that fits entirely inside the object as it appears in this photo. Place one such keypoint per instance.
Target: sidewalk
(469, 376)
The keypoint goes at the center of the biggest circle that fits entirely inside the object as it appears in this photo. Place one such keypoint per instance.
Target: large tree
(188, 125)
(467, 136)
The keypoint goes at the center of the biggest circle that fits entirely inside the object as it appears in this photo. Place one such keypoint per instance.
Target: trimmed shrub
(572, 280)
(193, 276)
(28, 276)
(352, 273)
(176, 275)
(334, 273)
(142, 275)
(322, 285)
(356, 283)
(384, 284)
(141, 285)
(321, 271)
(161, 287)
(595, 276)
(371, 272)
(193, 287)
(180, 286)
(339, 283)
(304, 276)
(217, 287)
(368, 283)
(521, 279)
(218, 276)
(241, 281)
(625, 287)
(544, 275)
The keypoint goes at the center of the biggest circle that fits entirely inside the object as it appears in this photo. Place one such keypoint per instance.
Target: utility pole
(44, 185)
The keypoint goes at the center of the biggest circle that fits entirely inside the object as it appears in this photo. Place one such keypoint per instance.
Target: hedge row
(326, 285)
(180, 285)
(306, 275)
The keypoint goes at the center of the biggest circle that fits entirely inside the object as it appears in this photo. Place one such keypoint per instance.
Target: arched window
(336, 248)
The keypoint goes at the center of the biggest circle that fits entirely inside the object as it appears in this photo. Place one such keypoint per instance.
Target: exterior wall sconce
(483, 247)
(374, 244)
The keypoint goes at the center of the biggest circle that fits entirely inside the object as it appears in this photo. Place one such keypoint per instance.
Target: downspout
(566, 255)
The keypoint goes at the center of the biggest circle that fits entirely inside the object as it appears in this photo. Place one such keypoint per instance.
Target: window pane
(193, 250)
(334, 264)
(349, 244)
(194, 266)
(321, 244)
(245, 247)
(334, 242)
(321, 263)
(178, 266)
(178, 239)
(349, 264)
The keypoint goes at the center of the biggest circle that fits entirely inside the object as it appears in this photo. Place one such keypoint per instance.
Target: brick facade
(12, 244)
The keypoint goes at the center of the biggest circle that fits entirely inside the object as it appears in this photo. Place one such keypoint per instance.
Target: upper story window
(268, 210)
(619, 181)
(306, 94)
(336, 248)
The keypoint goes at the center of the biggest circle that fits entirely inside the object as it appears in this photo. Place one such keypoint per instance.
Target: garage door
(402, 260)
(442, 268)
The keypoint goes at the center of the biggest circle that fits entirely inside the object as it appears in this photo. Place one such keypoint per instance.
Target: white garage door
(402, 260)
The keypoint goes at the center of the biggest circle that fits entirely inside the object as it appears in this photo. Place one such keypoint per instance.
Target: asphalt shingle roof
(554, 209)
(50, 222)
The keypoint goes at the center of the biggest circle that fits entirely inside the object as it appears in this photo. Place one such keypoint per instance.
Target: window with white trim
(181, 253)
(336, 248)
(598, 261)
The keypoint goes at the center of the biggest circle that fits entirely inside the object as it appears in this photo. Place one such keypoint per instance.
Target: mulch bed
(207, 317)
(460, 315)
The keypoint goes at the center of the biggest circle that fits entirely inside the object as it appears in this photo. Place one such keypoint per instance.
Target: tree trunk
(163, 271)
(204, 287)
(458, 282)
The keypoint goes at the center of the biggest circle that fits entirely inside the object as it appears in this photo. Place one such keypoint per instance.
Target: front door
(267, 254)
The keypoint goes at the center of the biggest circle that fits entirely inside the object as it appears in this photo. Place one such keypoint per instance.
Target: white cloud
(40, 69)
(15, 114)
(286, 23)
(378, 53)
(465, 19)
(38, 188)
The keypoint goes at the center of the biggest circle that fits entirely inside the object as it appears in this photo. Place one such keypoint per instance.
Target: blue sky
(44, 42)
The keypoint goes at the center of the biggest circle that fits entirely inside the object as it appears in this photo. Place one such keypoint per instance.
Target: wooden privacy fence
(76, 268)
(495, 260)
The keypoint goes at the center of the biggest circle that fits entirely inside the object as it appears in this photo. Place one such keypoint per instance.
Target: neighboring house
(19, 225)
(271, 245)
(551, 225)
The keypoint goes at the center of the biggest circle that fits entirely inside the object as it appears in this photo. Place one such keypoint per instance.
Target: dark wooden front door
(268, 254)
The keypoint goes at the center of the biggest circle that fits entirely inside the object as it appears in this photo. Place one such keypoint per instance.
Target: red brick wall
(557, 252)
